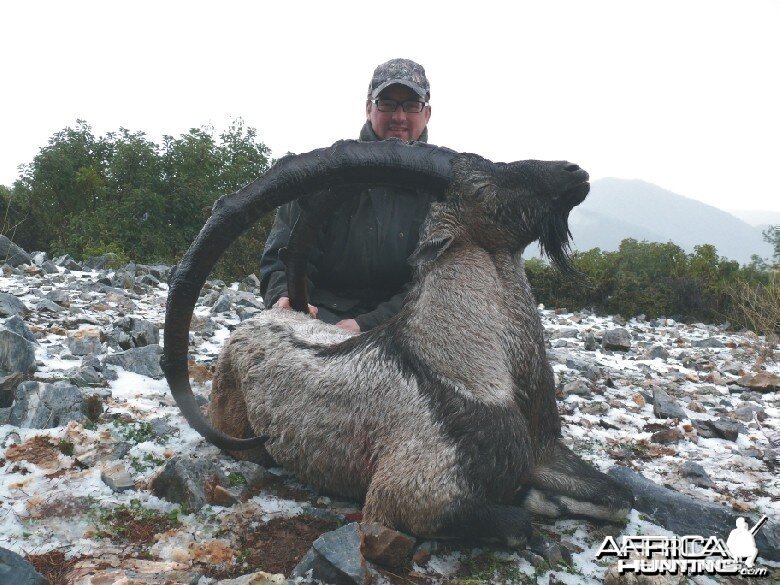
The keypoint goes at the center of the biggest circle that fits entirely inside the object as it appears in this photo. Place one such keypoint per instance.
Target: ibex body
(444, 418)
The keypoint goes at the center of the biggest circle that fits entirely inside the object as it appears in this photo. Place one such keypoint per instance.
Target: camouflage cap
(403, 71)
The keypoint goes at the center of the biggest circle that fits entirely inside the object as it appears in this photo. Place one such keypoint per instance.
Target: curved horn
(349, 161)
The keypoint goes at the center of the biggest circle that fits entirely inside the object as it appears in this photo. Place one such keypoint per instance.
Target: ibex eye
(482, 191)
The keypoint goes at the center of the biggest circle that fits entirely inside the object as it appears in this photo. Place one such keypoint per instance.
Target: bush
(648, 278)
(122, 193)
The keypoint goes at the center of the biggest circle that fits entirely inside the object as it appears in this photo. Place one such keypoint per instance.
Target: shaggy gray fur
(444, 418)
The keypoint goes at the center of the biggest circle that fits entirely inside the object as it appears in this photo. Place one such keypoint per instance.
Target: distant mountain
(757, 218)
(619, 208)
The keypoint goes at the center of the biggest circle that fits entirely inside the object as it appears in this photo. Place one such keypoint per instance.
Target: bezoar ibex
(443, 419)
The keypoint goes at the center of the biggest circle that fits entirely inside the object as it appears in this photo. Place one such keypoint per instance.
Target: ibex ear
(430, 248)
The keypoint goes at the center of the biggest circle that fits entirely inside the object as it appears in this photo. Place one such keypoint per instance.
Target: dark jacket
(359, 268)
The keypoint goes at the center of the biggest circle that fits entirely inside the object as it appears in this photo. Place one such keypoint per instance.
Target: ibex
(443, 419)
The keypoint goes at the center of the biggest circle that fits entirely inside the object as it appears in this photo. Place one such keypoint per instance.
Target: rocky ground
(101, 480)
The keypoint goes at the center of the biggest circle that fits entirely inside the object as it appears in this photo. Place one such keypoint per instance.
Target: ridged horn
(346, 162)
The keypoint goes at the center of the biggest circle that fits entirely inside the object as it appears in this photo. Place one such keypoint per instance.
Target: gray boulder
(222, 304)
(100, 262)
(10, 306)
(188, 481)
(16, 353)
(656, 352)
(12, 254)
(590, 342)
(686, 515)
(49, 267)
(565, 333)
(577, 387)
(8, 386)
(131, 332)
(67, 262)
(141, 360)
(85, 341)
(709, 342)
(664, 406)
(695, 473)
(618, 339)
(335, 558)
(17, 325)
(721, 428)
(59, 296)
(47, 306)
(587, 367)
(17, 571)
(38, 405)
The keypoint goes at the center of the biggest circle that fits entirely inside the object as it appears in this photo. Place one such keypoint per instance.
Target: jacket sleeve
(384, 310)
(273, 279)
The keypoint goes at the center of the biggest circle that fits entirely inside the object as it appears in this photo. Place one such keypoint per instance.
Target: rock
(118, 479)
(38, 405)
(189, 481)
(160, 428)
(664, 406)
(386, 547)
(259, 578)
(149, 280)
(222, 305)
(552, 552)
(710, 342)
(245, 313)
(335, 558)
(696, 475)
(101, 262)
(618, 339)
(587, 368)
(47, 306)
(577, 387)
(59, 296)
(17, 325)
(141, 360)
(762, 381)
(8, 386)
(666, 436)
(747, 412)
(565, 333)
(85, 377)
(251, 281)
(67, 262)
(160, 271)
(49, 267)
(16, 353)
(13, 254)
(596, 408)
(656, 352)
(686, 515)
(696, 406)
(246, 299)
(721, 428)
(590, 342)
(130, 332)
(10, 306)
(17, 571)
(85, 341)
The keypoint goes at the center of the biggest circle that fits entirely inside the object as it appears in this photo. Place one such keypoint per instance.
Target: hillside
(619, 208)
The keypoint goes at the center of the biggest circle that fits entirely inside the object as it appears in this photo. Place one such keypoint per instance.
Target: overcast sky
(684, 94)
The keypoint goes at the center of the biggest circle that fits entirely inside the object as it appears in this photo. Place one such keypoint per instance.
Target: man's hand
(349, 325)
(284, 303)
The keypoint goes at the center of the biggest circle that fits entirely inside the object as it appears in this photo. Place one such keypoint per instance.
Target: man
(358, 274)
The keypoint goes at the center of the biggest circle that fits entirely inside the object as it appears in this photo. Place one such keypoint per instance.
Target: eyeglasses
(410, 106)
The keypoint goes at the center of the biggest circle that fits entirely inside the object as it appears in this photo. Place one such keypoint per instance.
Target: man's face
(398, 124)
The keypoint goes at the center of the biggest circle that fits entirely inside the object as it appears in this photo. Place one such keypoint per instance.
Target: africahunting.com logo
(688, 555)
